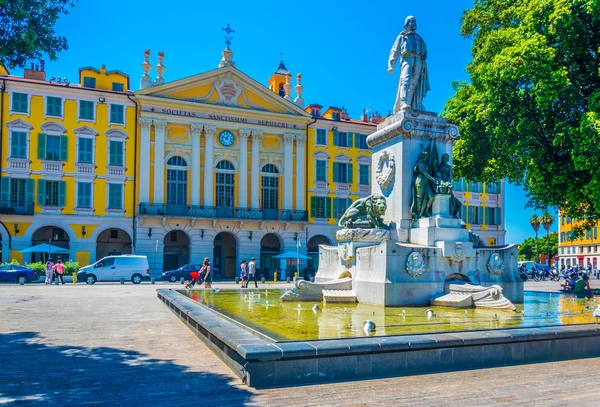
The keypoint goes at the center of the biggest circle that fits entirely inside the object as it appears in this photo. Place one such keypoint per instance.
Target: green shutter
(41, 146)
(350, 173)
(312, 206)
(335, 137)
(335, 172)
(498, 187)
(351, 140)
(336, 207)
(498, 216)
(357, 140)
(62, 193)
(29, 190)
(64, 148)
(41, 192)
(5, 190)
(328, 207)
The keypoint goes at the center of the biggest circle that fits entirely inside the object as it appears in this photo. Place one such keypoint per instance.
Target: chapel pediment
(225, 87)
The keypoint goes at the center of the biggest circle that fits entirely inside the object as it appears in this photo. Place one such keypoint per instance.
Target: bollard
(295, 276)
(287, 280)
(122, 281)
(56, 281)
(275, 277)
(312, 279)
(74, 278)
(152, 280)
(262, 280)
(21, 281)
(182, 281)
(237, 280)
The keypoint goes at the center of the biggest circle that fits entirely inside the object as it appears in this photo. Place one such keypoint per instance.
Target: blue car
(18, 274)
(176, 275)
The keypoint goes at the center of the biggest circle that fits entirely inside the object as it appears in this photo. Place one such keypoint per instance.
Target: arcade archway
(112, 242)
(53, 235)
(176, 250)
(312, 250)
(270, 246)
(225, 255)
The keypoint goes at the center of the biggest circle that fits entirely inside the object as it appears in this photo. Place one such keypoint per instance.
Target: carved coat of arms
(495, 265)
(415, 264)
(229, 91)
(386, 169)
(459, 252)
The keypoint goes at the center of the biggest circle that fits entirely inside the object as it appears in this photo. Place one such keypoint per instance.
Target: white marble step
(339, 296)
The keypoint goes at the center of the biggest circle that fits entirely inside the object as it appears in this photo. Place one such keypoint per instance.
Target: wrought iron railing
(15, 208)
(212, 212)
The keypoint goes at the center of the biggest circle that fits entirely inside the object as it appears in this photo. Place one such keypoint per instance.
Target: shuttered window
(53, 106)
(18, 144)
(84, 194)
(116, 114)
(20, 102)
(86, 110)
(115, 196)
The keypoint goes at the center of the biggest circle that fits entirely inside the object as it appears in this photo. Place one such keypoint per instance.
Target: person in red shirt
(59, 270)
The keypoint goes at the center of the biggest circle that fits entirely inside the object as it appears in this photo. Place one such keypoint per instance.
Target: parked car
(114, 268)
(177, 274)
(16, 273)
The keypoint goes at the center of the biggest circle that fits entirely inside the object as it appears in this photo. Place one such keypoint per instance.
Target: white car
(114, 268)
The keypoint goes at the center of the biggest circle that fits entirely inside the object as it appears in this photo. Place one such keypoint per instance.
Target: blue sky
(341, 51)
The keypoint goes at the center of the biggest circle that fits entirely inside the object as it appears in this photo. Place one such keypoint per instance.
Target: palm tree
(535, 224)
(547, 220)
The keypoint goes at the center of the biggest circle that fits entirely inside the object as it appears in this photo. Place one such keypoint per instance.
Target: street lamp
(535, 224)
(547, 221)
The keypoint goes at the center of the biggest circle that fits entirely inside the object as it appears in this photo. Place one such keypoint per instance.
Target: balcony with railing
(211, 212)
(16, 208)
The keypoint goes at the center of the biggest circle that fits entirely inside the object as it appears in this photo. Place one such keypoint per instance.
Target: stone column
(254, 186)
(243, 173)
(300, 171)
(209, 155)
(159, 161)
(144, 161)
(196, 130)
(288, 144)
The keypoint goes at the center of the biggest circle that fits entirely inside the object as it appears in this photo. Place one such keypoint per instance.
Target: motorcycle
(523, 274)
(555, 276)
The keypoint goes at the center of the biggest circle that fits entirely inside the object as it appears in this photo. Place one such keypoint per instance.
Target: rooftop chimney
(35, 72)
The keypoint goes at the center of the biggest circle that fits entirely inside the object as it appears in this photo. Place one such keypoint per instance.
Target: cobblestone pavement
(118, 345)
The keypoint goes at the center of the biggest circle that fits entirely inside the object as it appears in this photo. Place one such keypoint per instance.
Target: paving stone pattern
(118, 345)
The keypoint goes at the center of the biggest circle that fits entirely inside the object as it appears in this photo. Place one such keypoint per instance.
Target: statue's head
(423, 156)
(410, 23)
(445, 158)
(377, 206)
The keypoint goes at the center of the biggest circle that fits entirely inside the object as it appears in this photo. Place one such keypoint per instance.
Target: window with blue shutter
(312, 206)
(17, 191)
(29, 190)
(341, 173)
(363, 174)
(319, 207)
(115, 200)
(18, 144)
(89, 82)
(118, 87)
(85, 153)
(53, 106)
(52, 148)
(340, 206)
(328, 207)
(322, 137)
(321, 170)
(335, 137)
(4, 191)
(499, 216)
(20, 102)
(342, 139)
(362, 141)
(116, 153)
(350, 177)
(84, 194)
(86, 110)
(116, 114)
(49, 192)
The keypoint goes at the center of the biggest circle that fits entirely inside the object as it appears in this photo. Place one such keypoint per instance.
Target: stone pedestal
(440, 206)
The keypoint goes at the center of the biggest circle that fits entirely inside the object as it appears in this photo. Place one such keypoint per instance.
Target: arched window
(270, 187)
(225, 184)
(176, 181)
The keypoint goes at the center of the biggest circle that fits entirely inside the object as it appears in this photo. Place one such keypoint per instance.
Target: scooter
(523, 274)
(554, 274)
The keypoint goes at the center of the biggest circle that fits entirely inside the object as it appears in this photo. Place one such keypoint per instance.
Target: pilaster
(209, 155)
(300, 171)
(254, 189)
(159, 161)
(144, 178)
(196, 130)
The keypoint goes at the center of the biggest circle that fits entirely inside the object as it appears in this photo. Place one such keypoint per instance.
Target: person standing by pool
(49, 271)
(252, 273)
(243, 273)
(206, 273)
(59, 268)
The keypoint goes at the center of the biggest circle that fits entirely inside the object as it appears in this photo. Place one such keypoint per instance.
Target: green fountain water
(284, 321)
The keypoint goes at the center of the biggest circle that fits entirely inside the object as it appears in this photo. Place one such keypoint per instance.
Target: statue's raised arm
(410, 51)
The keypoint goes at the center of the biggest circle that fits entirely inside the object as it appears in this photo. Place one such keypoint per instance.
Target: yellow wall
(103, 80)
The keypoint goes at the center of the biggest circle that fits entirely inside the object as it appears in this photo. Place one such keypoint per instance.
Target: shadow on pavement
(33, 373)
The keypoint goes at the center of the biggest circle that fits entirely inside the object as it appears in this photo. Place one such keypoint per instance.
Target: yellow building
(66, 163)
(580, 251)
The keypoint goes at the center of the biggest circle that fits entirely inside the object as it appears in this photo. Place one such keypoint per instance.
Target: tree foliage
(27, 30)
(527, 249)
(531, 111)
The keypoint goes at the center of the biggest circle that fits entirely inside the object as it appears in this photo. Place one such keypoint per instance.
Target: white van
(114, 268)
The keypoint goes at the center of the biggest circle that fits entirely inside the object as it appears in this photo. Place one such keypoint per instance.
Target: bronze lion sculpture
(365, 213)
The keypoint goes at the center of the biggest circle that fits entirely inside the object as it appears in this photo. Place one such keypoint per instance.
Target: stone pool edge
(260, 362)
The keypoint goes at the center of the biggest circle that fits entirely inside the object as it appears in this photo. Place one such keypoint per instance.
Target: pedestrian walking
(49, 271)
(252, 272)
(243, 273)
(206, 273)
(59, 270)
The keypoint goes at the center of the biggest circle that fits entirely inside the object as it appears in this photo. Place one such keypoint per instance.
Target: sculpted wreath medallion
(415, 265)
(386, 169)
(496, 265)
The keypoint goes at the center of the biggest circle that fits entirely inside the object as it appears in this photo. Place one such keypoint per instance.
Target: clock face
(226, 138)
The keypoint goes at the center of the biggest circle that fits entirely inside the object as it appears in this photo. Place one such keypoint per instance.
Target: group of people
(248, 272)
(204, 275)
(54, 270)
(575, 282)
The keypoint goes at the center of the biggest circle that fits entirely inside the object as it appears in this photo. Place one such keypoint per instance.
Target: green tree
(531, 110)
(527, 249)
(27, 30)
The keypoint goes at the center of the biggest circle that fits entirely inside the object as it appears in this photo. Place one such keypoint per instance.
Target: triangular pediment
(225, 87)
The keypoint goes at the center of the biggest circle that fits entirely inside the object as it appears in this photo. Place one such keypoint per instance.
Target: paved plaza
(118, 345)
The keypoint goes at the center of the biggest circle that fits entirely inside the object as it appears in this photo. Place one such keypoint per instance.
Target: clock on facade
(226, 138)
